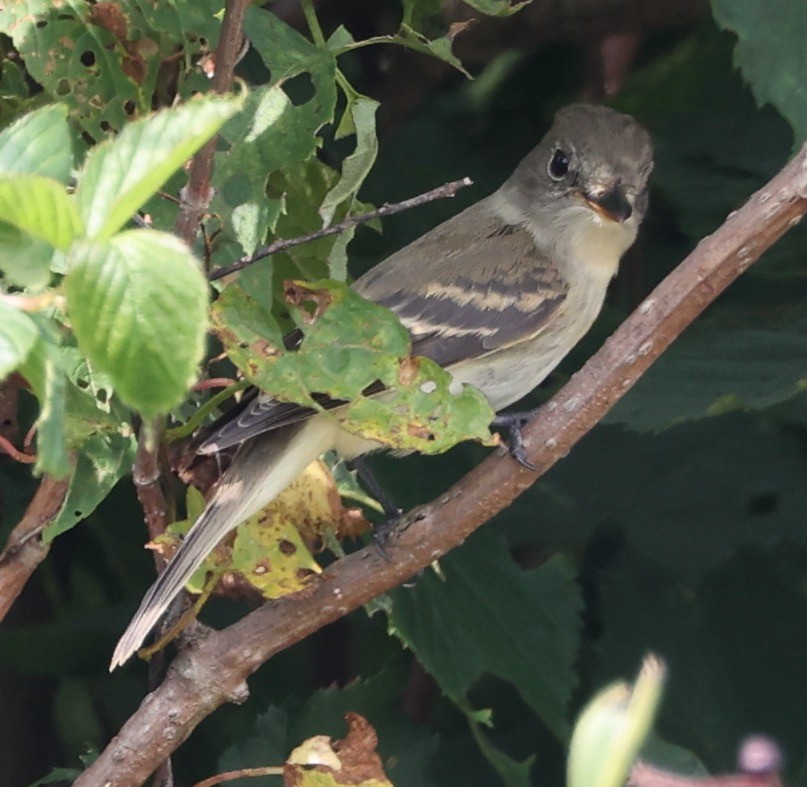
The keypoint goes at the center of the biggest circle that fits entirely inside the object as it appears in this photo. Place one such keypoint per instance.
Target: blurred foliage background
(677, 526)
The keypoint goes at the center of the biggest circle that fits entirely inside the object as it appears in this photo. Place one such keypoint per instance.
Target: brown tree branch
(215, 670)
(146, 475)
(25, 550)
(196, 196)
(7, 447)
(197, 193)
(644, 775)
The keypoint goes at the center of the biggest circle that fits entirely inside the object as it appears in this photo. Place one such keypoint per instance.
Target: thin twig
(214, 382)
(198, 192)
(441, 192)
(215, 671)
(644, 775)
(196, 198)
(146, 475)
(242, 773)
(7, 447)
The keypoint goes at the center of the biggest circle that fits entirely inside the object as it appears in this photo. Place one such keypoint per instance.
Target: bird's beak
(610, 203)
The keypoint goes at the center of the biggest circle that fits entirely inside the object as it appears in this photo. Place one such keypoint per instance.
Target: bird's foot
(512, 424)
(392, 513)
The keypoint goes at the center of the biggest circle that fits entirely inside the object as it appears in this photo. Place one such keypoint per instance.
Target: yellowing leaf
(317, 762)
(270, 550)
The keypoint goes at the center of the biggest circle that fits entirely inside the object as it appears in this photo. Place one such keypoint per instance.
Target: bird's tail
(261, 470)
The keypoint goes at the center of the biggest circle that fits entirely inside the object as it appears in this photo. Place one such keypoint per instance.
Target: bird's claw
(513, 423)
(383, 531)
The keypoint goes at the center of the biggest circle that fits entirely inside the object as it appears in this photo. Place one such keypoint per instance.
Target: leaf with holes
(75, 60)
(121, 174)
(102, 461)
(349, 345)
(361, 113)
(279, 126)
(138, 307)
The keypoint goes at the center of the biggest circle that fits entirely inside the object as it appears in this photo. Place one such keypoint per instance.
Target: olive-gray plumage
(498, 295)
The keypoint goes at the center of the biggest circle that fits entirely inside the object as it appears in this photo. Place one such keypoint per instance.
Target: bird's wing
(491, 289)
(487, 286)
(255, 414)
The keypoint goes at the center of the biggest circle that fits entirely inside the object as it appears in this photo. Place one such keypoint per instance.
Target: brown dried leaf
(351, 761)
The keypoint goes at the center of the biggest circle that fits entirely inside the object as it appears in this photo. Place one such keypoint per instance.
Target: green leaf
(670, 757)
(121, 174)
(42, 369)
(76, 61)
(57, 776)
(137, 304)
(770, 52)
(422, 14)
(410, 752)
(340, 39)
(729, 483)
(38, 144)
(18, 334)
(40, 207)
(279, 126)
(178, 17)
(612, 728)
(25, 261)
(497, 7)
(350, 345)
(103, 460)
(441, 48)
(512, 773)
(356, 166)
(735, 359)
(722, 683)
(482, 614)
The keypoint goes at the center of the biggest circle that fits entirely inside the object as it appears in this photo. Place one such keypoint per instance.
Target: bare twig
(644, 775)
(25, 550)
(214, 382)
(215, 671)
(196, 198)
(441, 192)
(241, 773)
(197, 193)
(146, 475)
(7, 447)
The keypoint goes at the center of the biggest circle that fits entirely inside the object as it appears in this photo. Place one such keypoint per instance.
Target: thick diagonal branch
(216, 670)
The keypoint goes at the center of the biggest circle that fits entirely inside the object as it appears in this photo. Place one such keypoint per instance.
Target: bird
(497, 295)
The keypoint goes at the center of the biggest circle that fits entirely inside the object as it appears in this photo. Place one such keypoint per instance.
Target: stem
(197, 419)
(313, 23)
(441, 192)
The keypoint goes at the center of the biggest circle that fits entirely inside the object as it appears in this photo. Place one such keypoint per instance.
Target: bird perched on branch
(497, 295)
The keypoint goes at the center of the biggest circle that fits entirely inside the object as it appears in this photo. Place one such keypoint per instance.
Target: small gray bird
(497, 295)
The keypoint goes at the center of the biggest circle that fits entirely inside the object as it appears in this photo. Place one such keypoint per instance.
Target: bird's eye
(558, 164)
